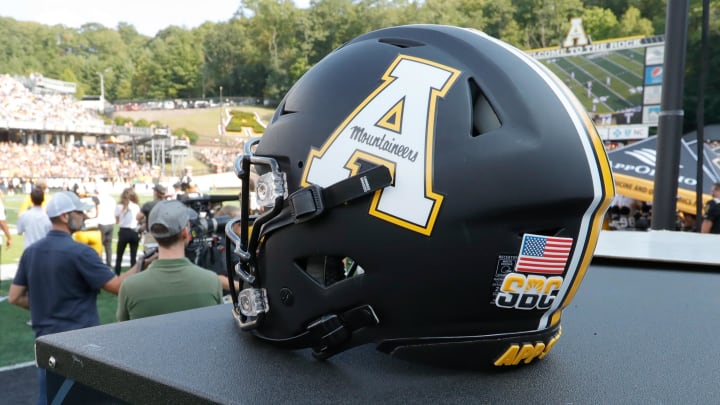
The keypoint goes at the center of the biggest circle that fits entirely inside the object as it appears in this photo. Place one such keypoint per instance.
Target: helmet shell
(485, 146)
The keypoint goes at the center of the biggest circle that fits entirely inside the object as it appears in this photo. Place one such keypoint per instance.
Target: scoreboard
(618, 81)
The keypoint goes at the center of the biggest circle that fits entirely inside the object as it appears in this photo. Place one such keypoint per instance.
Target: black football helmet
(425, 188)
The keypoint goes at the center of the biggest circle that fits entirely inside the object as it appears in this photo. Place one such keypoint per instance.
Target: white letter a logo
(394, 126)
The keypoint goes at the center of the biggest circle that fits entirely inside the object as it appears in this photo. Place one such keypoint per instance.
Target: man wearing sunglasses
(58, 279)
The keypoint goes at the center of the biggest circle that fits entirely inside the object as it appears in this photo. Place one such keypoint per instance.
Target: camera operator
(171, 283)
(208, 218)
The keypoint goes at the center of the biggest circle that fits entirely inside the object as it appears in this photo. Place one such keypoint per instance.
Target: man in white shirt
(34, 223)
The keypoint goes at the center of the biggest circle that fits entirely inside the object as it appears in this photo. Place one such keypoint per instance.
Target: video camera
(204, 205)
(207, 231)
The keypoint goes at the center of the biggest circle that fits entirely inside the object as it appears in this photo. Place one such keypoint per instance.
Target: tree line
(263, 48)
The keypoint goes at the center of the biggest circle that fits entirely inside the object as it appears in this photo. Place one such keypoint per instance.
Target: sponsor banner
(652, 95)
(627, 116)
(655, 55)
(623, 132)
(651, 114)
(600, 46)
(653, 75)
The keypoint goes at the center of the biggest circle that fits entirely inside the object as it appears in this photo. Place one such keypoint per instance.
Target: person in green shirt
(172, 282)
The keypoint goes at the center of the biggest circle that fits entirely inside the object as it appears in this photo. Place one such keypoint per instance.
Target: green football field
(17, 337)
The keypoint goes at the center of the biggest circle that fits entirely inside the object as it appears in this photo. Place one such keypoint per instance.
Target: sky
(148, 16)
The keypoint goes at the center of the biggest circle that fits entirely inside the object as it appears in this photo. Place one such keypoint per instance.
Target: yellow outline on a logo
(396, 114)
(429, 149)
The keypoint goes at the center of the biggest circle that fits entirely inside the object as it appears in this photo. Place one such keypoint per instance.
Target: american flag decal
(543, 254)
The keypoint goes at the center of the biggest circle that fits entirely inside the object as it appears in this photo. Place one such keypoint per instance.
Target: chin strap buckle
(332, 333)
(306, 203)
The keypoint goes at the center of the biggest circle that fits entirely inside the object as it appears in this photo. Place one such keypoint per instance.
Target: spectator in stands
(171, 283)
(34, 223)
(18, 103)
(126, 218)
(58, 279)
(106, 222)
(711, 214)
(66, 164)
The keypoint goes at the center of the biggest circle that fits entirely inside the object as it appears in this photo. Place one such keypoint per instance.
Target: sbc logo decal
(530, 291)
(394, 126)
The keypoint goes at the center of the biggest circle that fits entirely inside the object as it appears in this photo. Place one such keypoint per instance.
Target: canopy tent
(711, 157)
(634, 173)
(710, 133)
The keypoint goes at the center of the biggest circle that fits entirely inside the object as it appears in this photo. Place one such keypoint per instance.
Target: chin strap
(330, 334)
(309, 202)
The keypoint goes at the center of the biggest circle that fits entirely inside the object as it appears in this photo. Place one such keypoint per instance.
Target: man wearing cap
(159, 194)
(58, 279)
(172, 282)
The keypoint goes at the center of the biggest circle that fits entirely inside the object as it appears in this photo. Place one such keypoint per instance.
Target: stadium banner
(618, 81)
(633, 169)
(623, 132)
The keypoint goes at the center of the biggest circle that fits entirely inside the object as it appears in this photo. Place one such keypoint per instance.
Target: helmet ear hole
(328, 270)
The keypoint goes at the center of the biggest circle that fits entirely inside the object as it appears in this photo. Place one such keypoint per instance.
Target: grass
(17, 338)
(203, 121)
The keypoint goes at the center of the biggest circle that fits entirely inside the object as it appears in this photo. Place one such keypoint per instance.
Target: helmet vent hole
(484, 117)
(301, 164)
(329, 270)
(401, 42)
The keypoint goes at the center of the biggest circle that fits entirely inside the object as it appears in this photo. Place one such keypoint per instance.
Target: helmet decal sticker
(602, 179)
(394, 126)
(528, 352)
(543, 254)
(530, 291)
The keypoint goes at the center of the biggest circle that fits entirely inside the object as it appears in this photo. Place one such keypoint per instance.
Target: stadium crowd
(18, 103)
(66, 165)
(72, 164)
(219, 160)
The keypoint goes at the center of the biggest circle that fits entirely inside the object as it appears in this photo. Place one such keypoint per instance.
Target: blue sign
(653, 75)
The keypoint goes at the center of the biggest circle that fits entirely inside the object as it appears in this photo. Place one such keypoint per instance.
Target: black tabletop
(631, 335)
